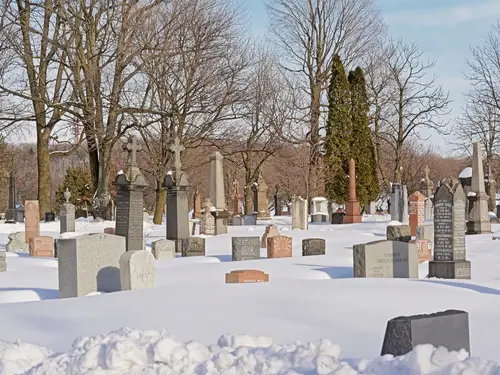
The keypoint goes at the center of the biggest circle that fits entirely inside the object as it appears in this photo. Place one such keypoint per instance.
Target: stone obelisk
(217, 195)
(352, 206)
(478, 199)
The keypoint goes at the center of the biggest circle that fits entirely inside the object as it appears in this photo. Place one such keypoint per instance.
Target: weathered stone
(398, 233)
(67, 215)
(195, 247)
(428, 209)
(449, 233)
(3, 261)
(250, 219)
(207, 225)
(163, 249)
(41, 246)
(89, 264)
(137, 270)
(237, 220)
(424, 250)
(299, 213)
(271, 231)
(16, 243)
(399, 203)
(426, 232)
(313, 246)
(245, 248)
(386, 259)
(217, 195)
(417, 211)
(32, 220)
(246, 276)
(449, 329)
(279, 247)
(479, 221)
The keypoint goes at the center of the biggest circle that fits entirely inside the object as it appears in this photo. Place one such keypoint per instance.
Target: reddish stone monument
(424, 250)
(109, 230)
(246, 276)
(41, 246)
(31, 220)
(197, 205)
(271, 231)
(417, 211)
(352, 206)
(279, 247)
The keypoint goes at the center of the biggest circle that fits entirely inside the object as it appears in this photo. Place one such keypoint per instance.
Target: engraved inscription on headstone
(443, 233)
(313, 246)
(458, 230)
(245, 248)
(195, 247)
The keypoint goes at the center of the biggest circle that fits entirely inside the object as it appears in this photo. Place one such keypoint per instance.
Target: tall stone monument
(427, 189)
(417, 211)
(352, 206)
(10, 217)
(262, 205)
(236, 198)
(32, 220)
(299, 213)
(449, 232)
(176, 185)
(130, 187)
(399, 203)
(217, 195)
(478, 221)
(67, 214)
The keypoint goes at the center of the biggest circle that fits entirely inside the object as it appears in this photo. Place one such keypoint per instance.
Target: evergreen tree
(78, 182)
(361, 143)
(338, 135)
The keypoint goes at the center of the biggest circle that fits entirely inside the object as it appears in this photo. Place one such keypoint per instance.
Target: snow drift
(129, 351)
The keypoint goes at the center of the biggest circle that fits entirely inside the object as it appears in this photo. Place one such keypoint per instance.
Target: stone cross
(132, 147)
(176, 149)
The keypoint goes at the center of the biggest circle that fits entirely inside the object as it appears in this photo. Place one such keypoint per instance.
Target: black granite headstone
(50, 216)
(447, 328)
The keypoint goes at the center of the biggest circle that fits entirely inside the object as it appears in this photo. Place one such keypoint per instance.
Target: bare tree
(310, 33)
(416, 100)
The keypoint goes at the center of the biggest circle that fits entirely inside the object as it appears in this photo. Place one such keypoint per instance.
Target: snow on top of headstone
(169, 173)
(471, 194)
(71, 234)
(466, 173)
(119, 172)
(319, 199)
(394, 223)
(492, 215)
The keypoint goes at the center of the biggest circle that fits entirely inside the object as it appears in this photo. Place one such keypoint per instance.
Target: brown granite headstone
(271, 231)
(41, 246)
(31, 220)
(279, 247)
(246, 276)
(417, 211)
(424, 250)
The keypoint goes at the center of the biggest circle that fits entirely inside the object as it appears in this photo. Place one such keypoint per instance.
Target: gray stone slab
(250, 219)
(313, 246)
(386, 259)
(399, 203)
(137, 270)
(163, 249)
(460, 269)
(400, 233)
(89, 264)
(238, 220)
(67, 218)
(245, 248)
(195, 247)
(448, 328)
(16, 243)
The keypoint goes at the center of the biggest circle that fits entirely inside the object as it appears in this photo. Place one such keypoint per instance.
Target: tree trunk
(101, 198)
(44, 180)
(93, 160)
(313, 174)
(160, 201)
(248, 200)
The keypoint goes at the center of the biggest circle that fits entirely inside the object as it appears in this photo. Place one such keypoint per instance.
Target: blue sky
(444, 30)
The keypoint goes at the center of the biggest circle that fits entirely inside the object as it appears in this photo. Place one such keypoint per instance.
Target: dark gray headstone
(313, 246)
(129, 223)
(67, 218)
(399, 203)
(250, 219)
(400, 233)
(195, 247)
(447, 328)
(245, 248)
(50, 216)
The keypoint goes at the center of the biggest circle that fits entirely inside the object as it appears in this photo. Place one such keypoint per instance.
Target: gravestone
(352, 206)
(89, 263)
(449, 329)
(313, 246)
(299, 213)
(261, 205)
(195, 247)
(137, 270)
(246, 276)
(428, 209)
(271, 231)
(417, 211)
(217, 193)
(11, 216)
(398, 232)
(130, 187)
(449, 232)
(399, 203)
(237, 220)
(279, 247)
(245, 248)
(465, 179)
(3, 261)
(424, 250)
(319, 210)
(207, 224)
(163, 249)
(236, 197)
(371, 208)
(16, 243)
(32, 220)
(386, 259)
(67, 215)
(478, 220)
(426, 184)
(50, 216)
(426, 232)
(41, 246)
(250, 219)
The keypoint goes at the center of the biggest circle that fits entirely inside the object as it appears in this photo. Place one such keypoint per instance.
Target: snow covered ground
(307, 299)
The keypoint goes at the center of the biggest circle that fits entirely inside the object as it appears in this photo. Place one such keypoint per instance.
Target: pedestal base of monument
(220, 221)
(478, 215)
(478, 227)
(352, 213)
(459, 269)
(11, 218)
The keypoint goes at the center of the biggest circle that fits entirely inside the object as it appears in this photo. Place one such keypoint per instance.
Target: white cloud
(446, 16)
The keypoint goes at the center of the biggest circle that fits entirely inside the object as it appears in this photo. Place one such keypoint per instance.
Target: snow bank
(129, 351)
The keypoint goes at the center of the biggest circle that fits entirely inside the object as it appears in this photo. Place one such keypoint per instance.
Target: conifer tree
(77, 180)
(361, 144)
(338, 135)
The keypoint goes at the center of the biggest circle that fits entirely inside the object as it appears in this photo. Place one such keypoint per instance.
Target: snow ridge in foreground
(127, 351)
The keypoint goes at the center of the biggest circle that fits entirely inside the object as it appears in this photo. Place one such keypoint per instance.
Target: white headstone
(216, 190)
(299, 213)
(163, 249)
(137, 270)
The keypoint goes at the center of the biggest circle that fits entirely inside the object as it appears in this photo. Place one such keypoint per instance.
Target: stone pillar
(32, 220)
(67, 214)
(479, 221)
(417, 211)
(217, 195)
(299, 213)
(176, 184)
(130, 187)
(399, 203)
(352, 206)
(449, 232)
